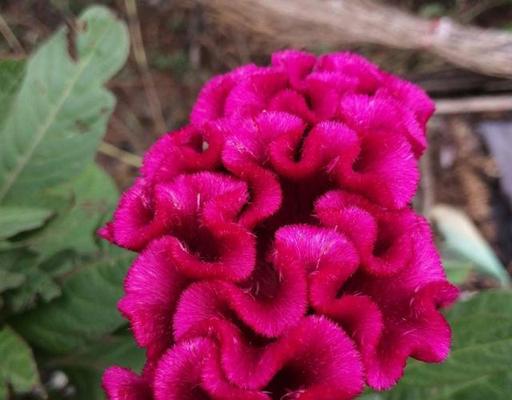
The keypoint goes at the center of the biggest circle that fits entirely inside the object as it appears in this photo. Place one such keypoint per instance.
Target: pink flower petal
(279, 257)
(386, 170)
(313, 360)
(368, 76)
(122, 384)
(298, 64)
(211, 102)
(397, 313)
(381, 236)
(187, 150)
(150, 311)
(136, 220)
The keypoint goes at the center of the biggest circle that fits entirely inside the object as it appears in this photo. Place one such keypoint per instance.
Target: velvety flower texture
(279, 257)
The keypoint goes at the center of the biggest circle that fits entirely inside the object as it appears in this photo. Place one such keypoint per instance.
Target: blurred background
(178, 45)
(459, 51)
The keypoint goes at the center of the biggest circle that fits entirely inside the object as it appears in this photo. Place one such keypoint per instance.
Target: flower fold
(279, 257)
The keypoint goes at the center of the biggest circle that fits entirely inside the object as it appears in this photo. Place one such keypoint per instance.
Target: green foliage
(15, 219)
(61, 109)
(86, 309)
(458, 269)
(84, 203)
(79, 208)
(479, 364)
(58, 285)
(34, 282)
(17, 366)
(84, 368)
(11, 75)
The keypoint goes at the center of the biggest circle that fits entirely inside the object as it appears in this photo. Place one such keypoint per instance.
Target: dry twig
(139, 54)
(121, 155)
(10, 37)
(476, 104)
(427, 183)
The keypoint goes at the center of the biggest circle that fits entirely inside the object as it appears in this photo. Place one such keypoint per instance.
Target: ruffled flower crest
(278, 254)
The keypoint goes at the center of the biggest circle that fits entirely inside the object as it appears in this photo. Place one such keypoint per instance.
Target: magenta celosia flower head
(278, 253)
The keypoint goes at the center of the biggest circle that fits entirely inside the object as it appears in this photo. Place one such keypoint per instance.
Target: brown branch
(303, 23)
(10, 37)
(476, 104)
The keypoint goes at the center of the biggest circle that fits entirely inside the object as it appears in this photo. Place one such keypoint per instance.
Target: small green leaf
(90, 198)
(61, 109)
(10, 280)
(14, 220)
(37, 283)
(86, 309)
(461, 237)
(17, 365)
(479, 364)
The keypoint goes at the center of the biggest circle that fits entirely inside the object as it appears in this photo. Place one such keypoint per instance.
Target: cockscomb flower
(279, 257)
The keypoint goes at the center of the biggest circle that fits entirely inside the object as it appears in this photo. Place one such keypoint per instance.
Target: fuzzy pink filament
(278, 253)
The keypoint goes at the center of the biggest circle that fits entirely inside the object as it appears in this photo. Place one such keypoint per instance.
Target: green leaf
(10, 280)
(85, 368)
(37, 283)
(479, 364)
(86, 309)
(11, 75)
(14, 220)
(62, 108)
(462, 238)
(457, 270)
(17, 365)
(89, 200)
